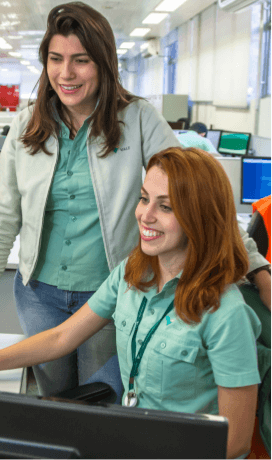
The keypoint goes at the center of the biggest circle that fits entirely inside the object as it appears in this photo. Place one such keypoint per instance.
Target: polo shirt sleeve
(231, 344)
(103, 301)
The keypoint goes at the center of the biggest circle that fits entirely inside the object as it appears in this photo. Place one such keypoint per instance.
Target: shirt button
(140, 342)
(152, 311)
(68, 242)
(64, 267)
(124, 323)
(74, 218)
(70, 173)
(72, 197)
(184, 353)
(163, 345)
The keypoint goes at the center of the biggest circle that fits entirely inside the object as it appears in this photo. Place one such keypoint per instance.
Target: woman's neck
(170, 268)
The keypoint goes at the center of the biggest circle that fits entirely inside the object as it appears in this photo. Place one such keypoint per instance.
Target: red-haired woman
(185, 337)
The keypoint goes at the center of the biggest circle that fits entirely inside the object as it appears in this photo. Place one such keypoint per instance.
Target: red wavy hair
(202, 201)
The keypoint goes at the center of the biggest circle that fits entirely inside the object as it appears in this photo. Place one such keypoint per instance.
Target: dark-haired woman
(185, 337)
(70, 172)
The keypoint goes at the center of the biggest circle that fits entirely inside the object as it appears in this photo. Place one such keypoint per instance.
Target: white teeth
(70, 87)
(150, 233)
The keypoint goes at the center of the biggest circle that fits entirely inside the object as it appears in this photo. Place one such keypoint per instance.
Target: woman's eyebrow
(73, 55)
(159, 197)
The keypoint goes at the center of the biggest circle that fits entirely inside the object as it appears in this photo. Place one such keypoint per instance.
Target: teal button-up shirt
(72, 255)
(192, 139)
(183, 364)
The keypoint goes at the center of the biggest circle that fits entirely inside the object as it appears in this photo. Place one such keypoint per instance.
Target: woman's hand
(53, 343)
(239, 406)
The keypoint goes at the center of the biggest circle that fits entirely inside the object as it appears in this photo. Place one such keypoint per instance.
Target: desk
(14, 380)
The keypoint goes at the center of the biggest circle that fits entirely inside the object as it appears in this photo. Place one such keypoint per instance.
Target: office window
(266, 54)
(170, 53)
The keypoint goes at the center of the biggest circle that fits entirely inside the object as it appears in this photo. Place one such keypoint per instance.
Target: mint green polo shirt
(182, 364)
(192, 139)
(72, 255)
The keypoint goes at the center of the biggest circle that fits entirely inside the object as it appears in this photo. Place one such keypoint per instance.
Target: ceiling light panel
(169, 5)
(155, 18)
(119, 51)
(139, 32)
(127, 45)
(4, 45)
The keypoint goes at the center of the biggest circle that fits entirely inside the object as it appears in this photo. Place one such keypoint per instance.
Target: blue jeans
(41, 307)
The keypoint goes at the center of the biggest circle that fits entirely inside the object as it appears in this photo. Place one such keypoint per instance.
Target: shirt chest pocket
(171, 367)
(124, 326)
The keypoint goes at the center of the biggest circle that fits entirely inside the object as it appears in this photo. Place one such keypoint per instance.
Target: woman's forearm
(40, 348)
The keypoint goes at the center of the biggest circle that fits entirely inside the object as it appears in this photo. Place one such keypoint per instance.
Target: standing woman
(71, 169)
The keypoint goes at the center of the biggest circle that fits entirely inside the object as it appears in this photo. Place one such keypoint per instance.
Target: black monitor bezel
(118, 432)
(234, 154)
(248, 157)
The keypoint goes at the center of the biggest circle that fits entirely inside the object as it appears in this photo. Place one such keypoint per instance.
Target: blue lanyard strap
(137, 359)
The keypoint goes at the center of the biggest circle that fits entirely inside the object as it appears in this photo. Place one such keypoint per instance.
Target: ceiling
(23, 23)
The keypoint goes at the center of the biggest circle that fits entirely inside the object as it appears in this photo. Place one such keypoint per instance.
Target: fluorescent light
(139, 32)
(7, 4)
(15, 37)
(32, 32)
(154, 18)
(127, 45)
(144, 46)
(4, 70)
(12, 16)
(119, 51)
(169, 5)
(30, 46)
(25, 62)
(4, 45)
(14, 54)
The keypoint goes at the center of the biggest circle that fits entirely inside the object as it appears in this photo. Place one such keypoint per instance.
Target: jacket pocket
(171, 367)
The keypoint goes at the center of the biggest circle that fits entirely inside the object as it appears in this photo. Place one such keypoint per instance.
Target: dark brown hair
(202, 201)
(96, 36)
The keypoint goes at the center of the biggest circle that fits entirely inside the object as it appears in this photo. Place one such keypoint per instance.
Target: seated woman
(185, 337)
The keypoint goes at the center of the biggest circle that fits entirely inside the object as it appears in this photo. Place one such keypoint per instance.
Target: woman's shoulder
(137, 105)
(23, 117)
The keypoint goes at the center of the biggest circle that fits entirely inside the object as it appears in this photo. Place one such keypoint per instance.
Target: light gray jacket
(25, 182)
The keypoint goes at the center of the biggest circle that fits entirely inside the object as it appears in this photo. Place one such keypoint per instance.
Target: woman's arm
(53, 343)
(239, 406)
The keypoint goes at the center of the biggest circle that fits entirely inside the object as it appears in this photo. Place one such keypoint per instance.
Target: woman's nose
(149, 213)
(67, 70)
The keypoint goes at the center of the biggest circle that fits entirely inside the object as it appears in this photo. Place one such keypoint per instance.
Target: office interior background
(216, 54)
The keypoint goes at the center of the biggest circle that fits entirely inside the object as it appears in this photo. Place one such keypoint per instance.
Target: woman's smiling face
(161, 233)
(72, 73)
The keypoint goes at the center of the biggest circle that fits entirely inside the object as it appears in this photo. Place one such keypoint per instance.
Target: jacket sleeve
(256, 260)
(10, 199)
(156, 133)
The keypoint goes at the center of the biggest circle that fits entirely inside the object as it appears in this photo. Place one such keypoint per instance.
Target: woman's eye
(143, 199)
(166, 208)
(54, 59)
(82, 61)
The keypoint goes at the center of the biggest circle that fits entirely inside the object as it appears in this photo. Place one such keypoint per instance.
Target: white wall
(202, 75)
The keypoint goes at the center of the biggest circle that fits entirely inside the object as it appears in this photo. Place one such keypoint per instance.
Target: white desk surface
(11, 380)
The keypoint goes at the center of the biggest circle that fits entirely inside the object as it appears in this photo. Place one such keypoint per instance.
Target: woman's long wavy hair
(96, 36)
(202, 201)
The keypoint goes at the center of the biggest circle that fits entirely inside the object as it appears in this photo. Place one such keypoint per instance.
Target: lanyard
(137, 359)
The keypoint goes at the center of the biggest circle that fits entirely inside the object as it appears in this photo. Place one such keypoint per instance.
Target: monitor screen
(35, 428)
(255, 179)
(214, 135)
(233, 143)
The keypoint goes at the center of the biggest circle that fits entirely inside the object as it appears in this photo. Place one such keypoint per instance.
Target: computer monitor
(34, 428)
(255, 178)
(214, 135)
(234, 143)
(177, 132)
